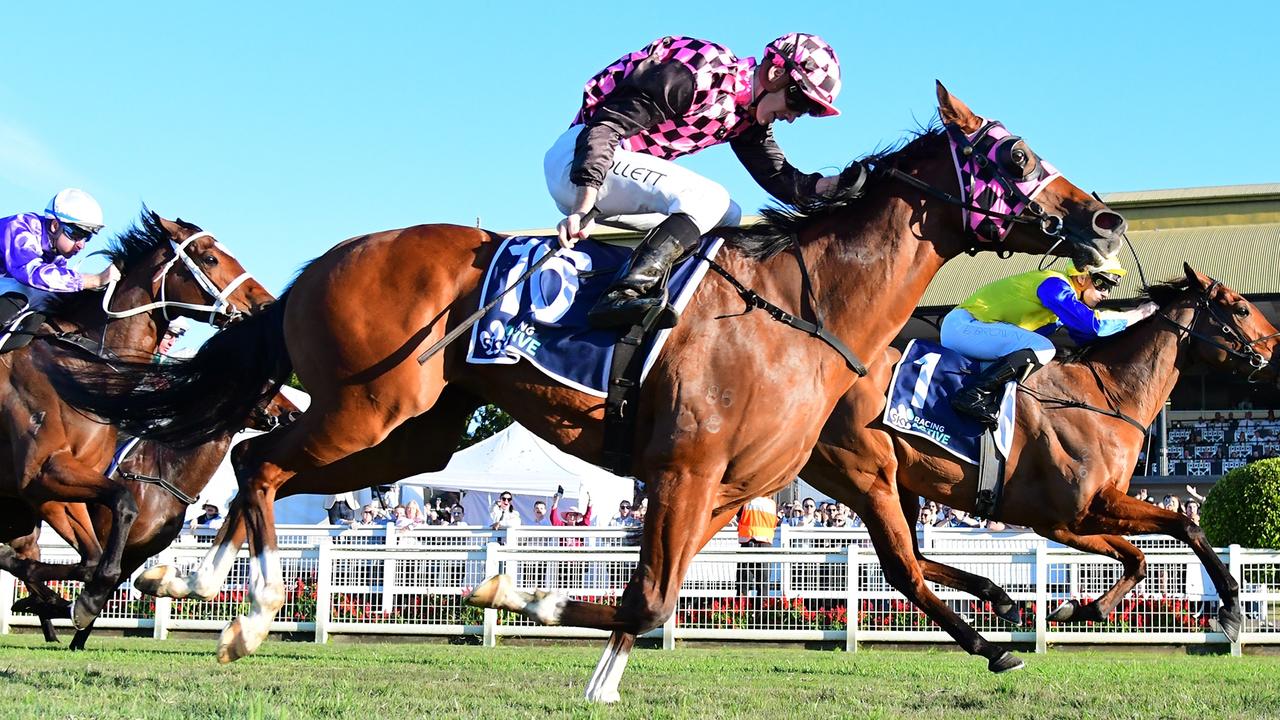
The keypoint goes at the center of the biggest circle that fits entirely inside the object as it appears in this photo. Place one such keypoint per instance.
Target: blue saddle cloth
(920, 401)
(545, 320)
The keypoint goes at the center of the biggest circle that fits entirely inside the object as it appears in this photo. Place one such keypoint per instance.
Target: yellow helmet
(1110, 266)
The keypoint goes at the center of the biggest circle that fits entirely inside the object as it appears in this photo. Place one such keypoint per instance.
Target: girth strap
(753, 301)
(990, 477)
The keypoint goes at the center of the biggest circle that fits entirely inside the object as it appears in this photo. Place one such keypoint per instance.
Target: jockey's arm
(650, 95)
(1082, 322)
(24, 262)
(764, 160)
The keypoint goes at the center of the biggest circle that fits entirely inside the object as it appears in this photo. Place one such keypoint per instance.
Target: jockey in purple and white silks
(36, 247)
(674, 97)
(1009, 321)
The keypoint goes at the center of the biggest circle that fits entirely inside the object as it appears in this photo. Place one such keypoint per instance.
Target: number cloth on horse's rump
(544, 321)
(920, 401)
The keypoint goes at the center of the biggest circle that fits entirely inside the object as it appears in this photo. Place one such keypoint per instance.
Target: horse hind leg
(1114, 547)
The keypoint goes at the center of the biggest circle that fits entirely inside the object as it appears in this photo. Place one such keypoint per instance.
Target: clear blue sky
(286, 127)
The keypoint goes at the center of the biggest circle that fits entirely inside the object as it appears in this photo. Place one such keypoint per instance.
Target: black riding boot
(980, 398)
(625, 303)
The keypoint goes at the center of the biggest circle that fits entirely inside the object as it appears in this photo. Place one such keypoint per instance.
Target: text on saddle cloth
(919, 401)
(545, 321)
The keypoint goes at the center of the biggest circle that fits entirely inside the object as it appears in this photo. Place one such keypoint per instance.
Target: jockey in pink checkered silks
(674, 97)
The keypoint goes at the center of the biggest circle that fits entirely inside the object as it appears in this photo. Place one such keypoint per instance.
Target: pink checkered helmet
(812, 64)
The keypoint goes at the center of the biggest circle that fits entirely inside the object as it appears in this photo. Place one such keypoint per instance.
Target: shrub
(1243, 508)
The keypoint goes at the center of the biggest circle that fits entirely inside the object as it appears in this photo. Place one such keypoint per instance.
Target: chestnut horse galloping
(54, 454)
(1069, 467)
(729, 411)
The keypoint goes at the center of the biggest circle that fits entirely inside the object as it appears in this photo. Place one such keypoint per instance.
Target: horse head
(197, 276)
(1225, 330)
(1013, 200)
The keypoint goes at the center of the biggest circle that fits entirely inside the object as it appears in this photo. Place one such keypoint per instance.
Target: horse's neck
(1140, 375)
(129, 336)
(870, 284)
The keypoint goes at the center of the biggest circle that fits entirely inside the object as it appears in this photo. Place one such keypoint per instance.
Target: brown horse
(164, 482)
(1069, 467)
(729, 410)
(54, 454)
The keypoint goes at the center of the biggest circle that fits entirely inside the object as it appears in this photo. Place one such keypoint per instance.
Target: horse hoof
(497, 592)
(1005, 662)
(605, 697)
(234, 643)
(1065, 612)
(1230, 620)
(86, 611)
(1010, 613)
(158, 581)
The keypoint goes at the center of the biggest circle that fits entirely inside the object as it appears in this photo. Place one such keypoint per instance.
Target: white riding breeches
(979, 340)
(641, 190)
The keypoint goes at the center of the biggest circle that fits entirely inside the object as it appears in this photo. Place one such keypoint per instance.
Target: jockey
(675, 97)
(1009, 321)
(36, 247)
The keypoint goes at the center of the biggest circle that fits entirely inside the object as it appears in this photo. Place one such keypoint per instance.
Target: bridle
(1241, 347)
(999, 178)
(221, 306)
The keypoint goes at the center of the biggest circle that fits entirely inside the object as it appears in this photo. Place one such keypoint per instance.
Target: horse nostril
(1107, 223)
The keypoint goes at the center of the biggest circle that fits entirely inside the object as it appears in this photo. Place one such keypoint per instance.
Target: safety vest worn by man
(757, 520)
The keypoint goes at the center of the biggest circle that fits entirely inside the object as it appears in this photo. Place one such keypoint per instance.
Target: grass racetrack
(142, 678)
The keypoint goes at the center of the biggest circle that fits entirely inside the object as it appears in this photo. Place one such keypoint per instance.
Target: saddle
(18, 322)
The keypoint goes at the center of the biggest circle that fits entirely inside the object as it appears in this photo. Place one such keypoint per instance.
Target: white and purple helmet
(812, 65)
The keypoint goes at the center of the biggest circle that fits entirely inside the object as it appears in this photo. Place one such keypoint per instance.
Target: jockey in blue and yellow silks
(1009, 321)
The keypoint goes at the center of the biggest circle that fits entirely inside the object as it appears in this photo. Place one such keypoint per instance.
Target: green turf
(139, 678)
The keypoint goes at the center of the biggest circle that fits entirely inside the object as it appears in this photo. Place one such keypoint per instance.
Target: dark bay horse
(164, 481)
(1069, 467)
(52, 453)
(729, 411)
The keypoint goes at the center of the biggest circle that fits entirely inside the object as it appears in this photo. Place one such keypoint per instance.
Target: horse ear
(1195, 278)
(955, 112)
(175, 230)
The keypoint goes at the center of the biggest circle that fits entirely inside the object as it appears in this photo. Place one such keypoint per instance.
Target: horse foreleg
(1114, 513)
(66, 479)
(603, 685)
(208, 577)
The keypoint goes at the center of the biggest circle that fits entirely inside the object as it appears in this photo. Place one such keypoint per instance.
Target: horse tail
(186, 403)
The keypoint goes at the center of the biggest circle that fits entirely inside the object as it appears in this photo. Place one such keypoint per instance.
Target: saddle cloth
(919, 401)
(545, 320)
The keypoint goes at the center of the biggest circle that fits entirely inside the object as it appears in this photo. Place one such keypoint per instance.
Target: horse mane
(781, 223)
(1162, 293)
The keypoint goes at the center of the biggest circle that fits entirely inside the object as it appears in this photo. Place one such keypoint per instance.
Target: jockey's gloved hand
(851, 180)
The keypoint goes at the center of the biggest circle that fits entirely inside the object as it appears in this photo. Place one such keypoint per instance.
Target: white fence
(816, 584)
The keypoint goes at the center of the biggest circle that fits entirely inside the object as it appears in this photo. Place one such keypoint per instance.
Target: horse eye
(1242, 311)
(209, 260)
